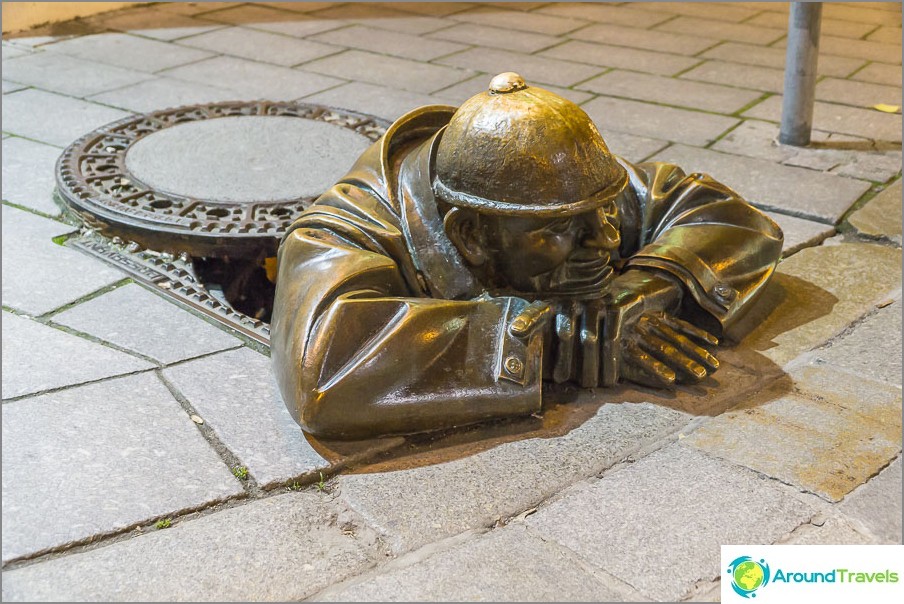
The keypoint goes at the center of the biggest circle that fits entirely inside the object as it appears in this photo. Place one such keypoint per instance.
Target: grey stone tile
(28, 174)
(38, 358)
(39, 275)
(889, 35)
(388, 103)
(633, 59)
(820, 196)
(833, 531)
(68, 75)
(12, 87)
(724, 11)
(98, 459)
(880, 73)
(720, 30)
(656, 121)
(815, 295)
(163, 93)
(260, 431)
(194, 8)
(131, 52)
(626, 523)
(510, 563)
(872, 349)
(828, 27)
(496, 37)
(800, 233)
(623, 14)
(134, 318)
(256, 16)
(417, 506)
(633, 148)
(827, 440)
(157, 24)
(860, 14)
(252, 80)
(732, 74)
(871, 165)
(859, 94)
(748, 54)
(881, 216)
(435, 9)
(387, 42)
(859, 49)
(382, 17)
(877, 504)
(631, 37)
(356, 65)
(461, 92)
(9, 51)
(509, 19)
(53, 119)
(534, 68)
(837, 118)
(670, 91)
(260, 46)
(281, 548)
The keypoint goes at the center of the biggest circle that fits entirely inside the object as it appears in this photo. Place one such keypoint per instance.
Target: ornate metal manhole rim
(93, 180)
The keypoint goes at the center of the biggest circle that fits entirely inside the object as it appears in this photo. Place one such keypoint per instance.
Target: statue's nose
(601, 233)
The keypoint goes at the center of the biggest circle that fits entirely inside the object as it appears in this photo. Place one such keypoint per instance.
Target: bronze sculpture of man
(471, 253)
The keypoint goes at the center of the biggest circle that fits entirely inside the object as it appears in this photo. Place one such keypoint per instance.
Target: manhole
(194, 200)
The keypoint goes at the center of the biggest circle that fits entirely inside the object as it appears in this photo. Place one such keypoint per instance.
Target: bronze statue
(471, 253)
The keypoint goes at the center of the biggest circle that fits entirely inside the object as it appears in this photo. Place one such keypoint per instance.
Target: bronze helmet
(524, 151)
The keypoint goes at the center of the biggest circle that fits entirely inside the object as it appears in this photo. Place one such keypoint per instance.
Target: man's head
(532, 190)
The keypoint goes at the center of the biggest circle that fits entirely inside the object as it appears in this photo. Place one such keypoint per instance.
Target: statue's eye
(559, 227)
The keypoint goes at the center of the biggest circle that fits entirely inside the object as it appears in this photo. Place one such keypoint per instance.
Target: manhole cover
(224, 179)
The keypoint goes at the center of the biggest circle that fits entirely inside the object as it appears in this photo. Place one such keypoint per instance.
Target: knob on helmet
(524, 151)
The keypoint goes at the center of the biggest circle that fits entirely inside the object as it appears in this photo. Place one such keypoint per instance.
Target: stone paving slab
(800, 233)
(879, 73)
(136, 319)
(624, 14)
(749, 54)
(536, 69)
(859, 49)
(836, 153)
(827, 444)
(356, 65)
(766, 79)
(7, 51)
(720, 30)
(164, 93)
(28, 174)
(671, 91)
(257, 16)
(39, 275)
(830, 117)
(531, 22)
(281, 548)
(890, 35)
(101, 458)
(718, 12)
(877, 504)
(656, 121)
(434, 9)
(833, 531)
(52, 118)
(633, 148)
(128, 51)
(815, 294)
(260, 46)
(396, 44)
(871, 349)
(381, 17)
(157, 24)
(881, 216)
(505, 565)
(495, 37)
(38, 358)
(644, 39)
(417, 506)
(620, 57)
(618, 523)
(860, 14)
(251, 80)
(858, 94)
(68, 75)
(823, 197)
(829, 27)
(11, 87)
(388, 103)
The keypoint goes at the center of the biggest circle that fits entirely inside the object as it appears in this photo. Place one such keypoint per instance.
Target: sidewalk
(146, 452)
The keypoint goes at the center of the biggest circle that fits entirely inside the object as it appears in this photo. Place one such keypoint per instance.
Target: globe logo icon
(748, 575)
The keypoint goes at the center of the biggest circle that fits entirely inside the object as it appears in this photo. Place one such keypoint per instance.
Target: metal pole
(800, 73)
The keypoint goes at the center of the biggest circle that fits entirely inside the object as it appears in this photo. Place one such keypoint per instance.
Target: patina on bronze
(472, 253)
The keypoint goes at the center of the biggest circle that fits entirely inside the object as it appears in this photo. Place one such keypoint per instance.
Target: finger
(531, 318)
(697, 353)
(590, 347)
(670, 355)
(640, 367)
(565, 331)
(693, 331)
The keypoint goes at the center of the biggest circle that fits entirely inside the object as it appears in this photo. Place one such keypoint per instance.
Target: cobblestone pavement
(146, 454)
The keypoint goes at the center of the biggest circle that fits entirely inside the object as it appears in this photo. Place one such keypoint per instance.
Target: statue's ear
(463, 229)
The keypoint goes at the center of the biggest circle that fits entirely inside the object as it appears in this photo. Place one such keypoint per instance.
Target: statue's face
(563, 256)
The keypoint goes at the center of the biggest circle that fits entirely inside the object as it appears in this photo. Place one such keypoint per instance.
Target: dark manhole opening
(194, 200)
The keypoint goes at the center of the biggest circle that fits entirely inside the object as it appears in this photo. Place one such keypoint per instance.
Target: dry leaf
(888, 108)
